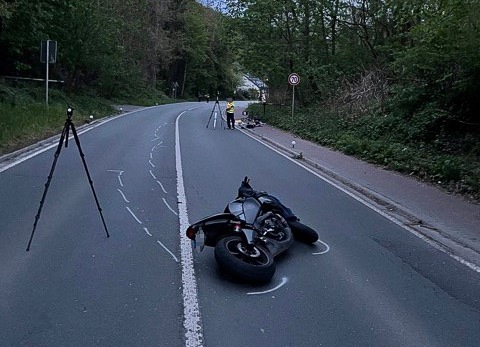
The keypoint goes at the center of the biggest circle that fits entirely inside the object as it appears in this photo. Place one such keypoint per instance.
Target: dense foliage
(378, 77)
(396, 82)
(116, 47)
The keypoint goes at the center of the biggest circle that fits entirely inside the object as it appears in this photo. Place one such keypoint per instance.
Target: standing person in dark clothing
(230, 113)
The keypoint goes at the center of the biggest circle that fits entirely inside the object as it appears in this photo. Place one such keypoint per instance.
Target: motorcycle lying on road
(254, 228)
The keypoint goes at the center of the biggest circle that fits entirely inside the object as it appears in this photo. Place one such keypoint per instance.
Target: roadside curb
(21, 154)
(445, 242)
(43, 144)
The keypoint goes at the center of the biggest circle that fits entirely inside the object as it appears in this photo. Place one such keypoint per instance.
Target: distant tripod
(64, 137)
(216, 111)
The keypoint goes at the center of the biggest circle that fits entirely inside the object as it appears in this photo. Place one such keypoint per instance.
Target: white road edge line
(191, 312)
(432, 243)
(55, 144)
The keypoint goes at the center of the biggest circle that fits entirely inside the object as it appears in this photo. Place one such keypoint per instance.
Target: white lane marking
(284, 281)
(161, 186)
(151, 173)
(50, 146)
(327, 248)
(151, 164)
(171, 209)
(422, 237)
(191, 312)
(148, 232)
(164, 247)
(123, 195)
(133, 215)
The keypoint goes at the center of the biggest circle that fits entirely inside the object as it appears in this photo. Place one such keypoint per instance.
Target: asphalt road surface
(368, 282)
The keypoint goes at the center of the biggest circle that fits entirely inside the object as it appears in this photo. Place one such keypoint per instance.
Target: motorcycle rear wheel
(303, 233)
(252, 263)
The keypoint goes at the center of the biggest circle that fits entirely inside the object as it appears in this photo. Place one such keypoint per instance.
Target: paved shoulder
(448, 220)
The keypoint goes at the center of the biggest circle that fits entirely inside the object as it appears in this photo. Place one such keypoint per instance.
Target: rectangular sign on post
(50, 47)
(48, 55)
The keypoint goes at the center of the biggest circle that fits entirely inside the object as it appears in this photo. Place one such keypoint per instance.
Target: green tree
(441, 64)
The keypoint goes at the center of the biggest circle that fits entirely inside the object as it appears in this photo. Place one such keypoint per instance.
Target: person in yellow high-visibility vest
(230, 113)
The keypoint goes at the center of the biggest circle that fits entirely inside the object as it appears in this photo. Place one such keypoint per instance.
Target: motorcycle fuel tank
(246, 210)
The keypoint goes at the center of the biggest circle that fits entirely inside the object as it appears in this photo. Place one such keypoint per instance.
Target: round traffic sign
(293, 79)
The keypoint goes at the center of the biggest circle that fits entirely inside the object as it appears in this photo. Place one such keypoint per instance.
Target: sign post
(48, 55)
(263, 98)
(293, 80)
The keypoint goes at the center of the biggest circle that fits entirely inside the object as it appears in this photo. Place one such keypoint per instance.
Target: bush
(409, 144)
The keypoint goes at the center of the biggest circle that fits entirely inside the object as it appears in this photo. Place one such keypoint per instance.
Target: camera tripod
(216, 110)
(64, 137)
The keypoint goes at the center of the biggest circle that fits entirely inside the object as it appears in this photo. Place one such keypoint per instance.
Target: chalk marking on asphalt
(326, 246)
(284, 281)
(171, 209)
(151, 173)
(148, 232)
(161, 186)
(123, 195)
(54, 138)
(422, 237)
(119, 176)
(133, 215)
(151, 155)
(164, 247)
(155, 139)
(153, 148)
(191, 312)
(151, 164)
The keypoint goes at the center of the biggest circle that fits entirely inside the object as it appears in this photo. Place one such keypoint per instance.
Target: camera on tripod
(70, 111)
(64, 139)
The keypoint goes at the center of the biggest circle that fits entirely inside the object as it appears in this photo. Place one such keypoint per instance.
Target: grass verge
(381, 143)
(24, 120)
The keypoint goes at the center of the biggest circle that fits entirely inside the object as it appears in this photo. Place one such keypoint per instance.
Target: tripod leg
(209, 118)
(77, 141)
(221, 116)
(49, 179)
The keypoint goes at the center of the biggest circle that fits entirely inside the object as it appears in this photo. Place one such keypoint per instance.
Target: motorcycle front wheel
(303, 233)
(251, 263)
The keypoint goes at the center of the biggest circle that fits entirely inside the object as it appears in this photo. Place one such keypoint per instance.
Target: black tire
(303, 233)
(255, 266)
